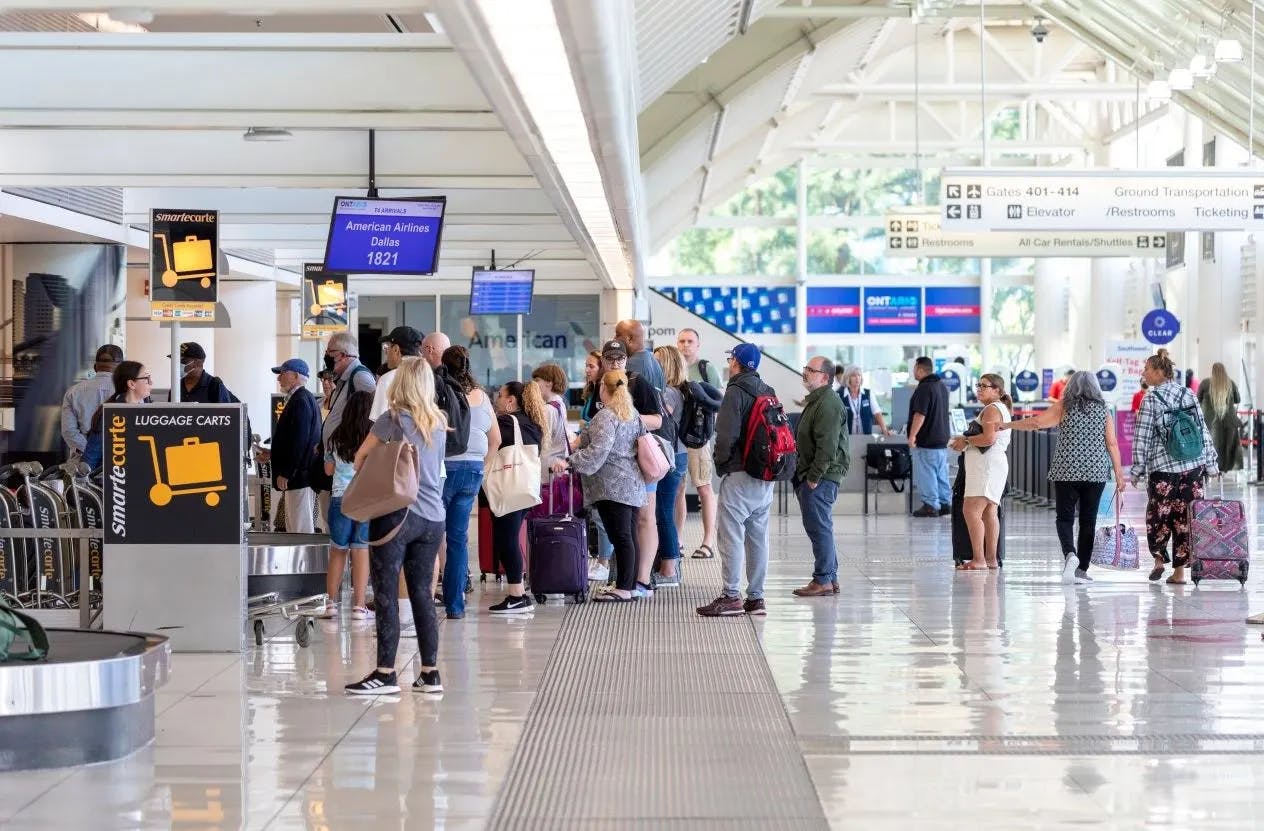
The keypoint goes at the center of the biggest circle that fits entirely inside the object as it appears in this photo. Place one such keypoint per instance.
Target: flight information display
(501, 292)
(385, 236)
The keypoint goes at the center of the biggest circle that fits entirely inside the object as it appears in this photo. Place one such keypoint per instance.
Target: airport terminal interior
(227, 228)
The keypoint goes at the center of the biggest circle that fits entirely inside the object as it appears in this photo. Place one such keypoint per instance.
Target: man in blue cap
(294, 445)
(744, 501)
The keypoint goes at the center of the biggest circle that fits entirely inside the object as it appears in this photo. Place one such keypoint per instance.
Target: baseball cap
(746, 354)
(613, 350)
(293, 365)
(192, 351)
(404, 336)
(109, 354)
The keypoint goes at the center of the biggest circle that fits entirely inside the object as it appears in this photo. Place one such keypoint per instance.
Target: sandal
(704, 552)
(1172, 581)
(1157, 574)
(971, 567)
(611, 597)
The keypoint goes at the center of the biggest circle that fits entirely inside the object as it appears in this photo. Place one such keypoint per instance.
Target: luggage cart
(193, 261)
(86, 502)
(303, 610)
(192, 468)
(13, 580)
(42, 508)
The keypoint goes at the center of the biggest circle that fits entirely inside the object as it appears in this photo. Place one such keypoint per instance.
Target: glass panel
(733, 251)
(1014, 310)
(768, 311)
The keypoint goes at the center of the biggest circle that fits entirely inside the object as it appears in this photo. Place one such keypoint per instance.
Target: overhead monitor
(501, 292)
(385, 236)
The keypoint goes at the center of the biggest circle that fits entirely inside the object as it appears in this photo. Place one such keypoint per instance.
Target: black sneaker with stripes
(428, 682)
(376, 683)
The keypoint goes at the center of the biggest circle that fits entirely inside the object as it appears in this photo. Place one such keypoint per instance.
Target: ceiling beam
(955, 91)
(252, 8)
(829, 12)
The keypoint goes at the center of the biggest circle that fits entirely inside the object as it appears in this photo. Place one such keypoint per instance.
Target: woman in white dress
(987, 470)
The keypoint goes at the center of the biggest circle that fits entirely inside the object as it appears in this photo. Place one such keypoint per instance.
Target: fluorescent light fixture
(267, 134)
(1201, 66)
(1180, 79)
(1159, 90)
(529, 40)
(1228, 50)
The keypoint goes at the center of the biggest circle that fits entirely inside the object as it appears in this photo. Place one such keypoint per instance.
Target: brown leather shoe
(814, 589)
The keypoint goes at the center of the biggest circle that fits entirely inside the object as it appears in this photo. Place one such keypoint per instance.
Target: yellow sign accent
(330, 294)
(192, 255)
(190, 463)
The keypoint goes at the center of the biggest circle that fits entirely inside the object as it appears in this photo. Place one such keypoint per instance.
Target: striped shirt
(1149, 445)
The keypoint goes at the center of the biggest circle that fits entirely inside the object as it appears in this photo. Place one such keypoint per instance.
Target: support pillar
(801, 265)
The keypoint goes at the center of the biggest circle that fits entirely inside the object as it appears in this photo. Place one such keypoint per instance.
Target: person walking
(294, 444)
(1219, 398)
(667, 562)
(412, 417)
(861, 409)
(701, 460)
(82, 400)
(1172, 483)
(1084, 460)
(347, 538)
(824, 458)
(606, 461)
(928, 432)
(987, 470)
(744, 501)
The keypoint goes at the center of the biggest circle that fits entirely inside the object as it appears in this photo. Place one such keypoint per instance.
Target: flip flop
(704, 552)
(611, 597)
(1172, 581)
(971, 567)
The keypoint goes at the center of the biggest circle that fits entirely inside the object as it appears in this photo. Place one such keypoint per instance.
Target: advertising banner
(183, 264)
(170, 469)
(953, 310)
(1131, 357)
(324, 302)
(833, 310)
(896, 311)
(919, 234)
(1046, 382)
(1057, 199)
(278, 406)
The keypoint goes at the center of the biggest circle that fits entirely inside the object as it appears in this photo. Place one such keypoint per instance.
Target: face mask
(186, 369)
(329, 362)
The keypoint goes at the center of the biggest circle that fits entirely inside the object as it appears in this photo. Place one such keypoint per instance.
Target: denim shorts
(344, 532)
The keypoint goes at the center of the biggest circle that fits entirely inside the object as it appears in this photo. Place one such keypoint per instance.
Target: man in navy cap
(198, 385)
(294, 445)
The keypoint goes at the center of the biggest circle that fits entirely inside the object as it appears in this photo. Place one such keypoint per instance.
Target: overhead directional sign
(1172, 199)
(919, 234)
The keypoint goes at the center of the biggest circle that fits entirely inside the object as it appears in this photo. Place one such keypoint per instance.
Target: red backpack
(769, 452)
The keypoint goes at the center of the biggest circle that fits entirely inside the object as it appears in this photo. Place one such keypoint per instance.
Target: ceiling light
(267, 134)
(1159, 90)
(132, 14)
(1201, 66)
(1228, 50)
(1181, 79)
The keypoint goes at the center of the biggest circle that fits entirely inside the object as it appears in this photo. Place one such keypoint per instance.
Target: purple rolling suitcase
(1218, 539)
(559, 553)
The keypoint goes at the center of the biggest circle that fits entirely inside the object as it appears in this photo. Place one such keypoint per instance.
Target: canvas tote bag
(386, 483)
(511, 480)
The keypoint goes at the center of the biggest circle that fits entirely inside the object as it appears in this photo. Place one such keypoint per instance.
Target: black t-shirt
(931, 400)
(530, 430)
(644, 399)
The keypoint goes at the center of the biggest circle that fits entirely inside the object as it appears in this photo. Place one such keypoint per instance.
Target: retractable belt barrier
(1030, 454)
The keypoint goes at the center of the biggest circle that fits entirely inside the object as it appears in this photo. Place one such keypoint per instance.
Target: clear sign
(952, 310)
(1160, 327)
(1107, 380)
(896, 311)
(324, 302)
(951, 380)
(833, 310)
(1102, 200)
(918, 234)
(1027, 381)
(183, 264)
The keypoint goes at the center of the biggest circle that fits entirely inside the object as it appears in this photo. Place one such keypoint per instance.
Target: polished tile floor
(919, 698)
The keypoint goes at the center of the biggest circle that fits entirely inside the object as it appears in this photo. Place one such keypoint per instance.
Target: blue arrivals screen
(893, 311)
(952, 310)
(501, 292)
(385, 236)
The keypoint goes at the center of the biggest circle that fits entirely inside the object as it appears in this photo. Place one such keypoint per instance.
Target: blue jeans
(460, 488)
(817, 506)
(930, 476)
(665, 510)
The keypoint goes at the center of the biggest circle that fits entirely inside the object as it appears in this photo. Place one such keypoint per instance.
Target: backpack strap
(703, 366)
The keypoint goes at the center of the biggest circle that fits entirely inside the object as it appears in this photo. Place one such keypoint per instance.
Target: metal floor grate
(649, 716)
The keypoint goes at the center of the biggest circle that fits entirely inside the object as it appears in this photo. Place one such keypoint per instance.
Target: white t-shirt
(382, 395)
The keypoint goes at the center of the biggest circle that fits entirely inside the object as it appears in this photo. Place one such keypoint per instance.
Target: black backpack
(451, 399)
(893, 462)
(697, 417)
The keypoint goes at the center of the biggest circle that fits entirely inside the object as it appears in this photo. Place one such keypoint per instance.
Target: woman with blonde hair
(606, 459)
(520, 413)
(1219, 398)
(667, 571)
(412, 416)
(987, 469)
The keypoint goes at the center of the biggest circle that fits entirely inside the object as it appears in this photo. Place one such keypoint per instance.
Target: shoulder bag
(385, 484)
(511, 479)
(1115, 546)
(653, 456)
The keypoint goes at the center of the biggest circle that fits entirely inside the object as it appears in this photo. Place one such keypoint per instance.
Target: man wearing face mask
(198, 385)
(342, 357)
(294, 445)
(823, 462)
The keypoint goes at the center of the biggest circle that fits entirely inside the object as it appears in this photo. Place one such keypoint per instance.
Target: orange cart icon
(329, 293)
(193, 261)
(189, 464)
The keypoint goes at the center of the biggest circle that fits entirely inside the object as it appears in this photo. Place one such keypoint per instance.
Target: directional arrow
(954, 212)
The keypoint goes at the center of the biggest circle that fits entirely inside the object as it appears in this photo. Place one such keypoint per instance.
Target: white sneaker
(598, 573)
(330, 611)
(1081, 577)
(361, 613)
(1069, 567)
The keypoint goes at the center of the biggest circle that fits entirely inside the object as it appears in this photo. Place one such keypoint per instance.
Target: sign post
(175, 556)
(183, 264)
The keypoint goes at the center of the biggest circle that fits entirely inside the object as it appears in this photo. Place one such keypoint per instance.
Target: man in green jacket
(824, 458)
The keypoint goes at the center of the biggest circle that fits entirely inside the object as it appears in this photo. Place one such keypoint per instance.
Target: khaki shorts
(701, 465)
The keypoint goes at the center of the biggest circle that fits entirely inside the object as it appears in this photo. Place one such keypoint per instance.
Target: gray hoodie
(739, 399)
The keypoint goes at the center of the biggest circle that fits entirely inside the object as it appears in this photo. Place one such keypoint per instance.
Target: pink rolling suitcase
(1218, 539)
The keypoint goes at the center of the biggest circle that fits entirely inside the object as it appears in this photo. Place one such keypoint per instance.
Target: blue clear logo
(1160, 327)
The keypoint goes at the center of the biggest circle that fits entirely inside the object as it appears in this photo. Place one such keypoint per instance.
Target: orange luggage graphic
(192, 468)
(193, 258)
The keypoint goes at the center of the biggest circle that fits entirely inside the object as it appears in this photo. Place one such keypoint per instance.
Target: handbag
(652, 457)
(560, 485)
(386, 483)
(1115, 546)
(975, 428)
(511, 479)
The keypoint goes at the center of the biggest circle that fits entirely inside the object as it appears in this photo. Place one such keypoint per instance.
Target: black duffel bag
(893, 462)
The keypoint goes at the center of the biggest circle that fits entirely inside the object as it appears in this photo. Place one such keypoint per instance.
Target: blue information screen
(895, 311)
(952, 310)
(833, 310)
(385, 236)
(501, 292)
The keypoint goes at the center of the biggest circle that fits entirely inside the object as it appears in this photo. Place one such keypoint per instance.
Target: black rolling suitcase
(962, 551)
